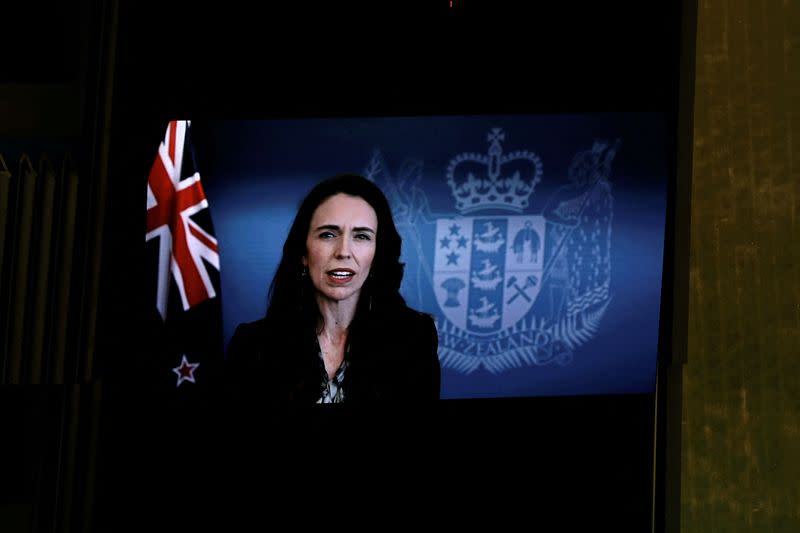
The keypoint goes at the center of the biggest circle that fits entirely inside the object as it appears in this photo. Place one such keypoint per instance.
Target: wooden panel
(741, 400)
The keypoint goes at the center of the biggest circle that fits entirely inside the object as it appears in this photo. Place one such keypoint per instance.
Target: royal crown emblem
(494, 180)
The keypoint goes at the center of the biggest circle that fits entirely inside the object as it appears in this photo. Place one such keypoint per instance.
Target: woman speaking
(336, 328)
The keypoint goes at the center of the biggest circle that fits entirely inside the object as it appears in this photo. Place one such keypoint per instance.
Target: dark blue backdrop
(545, 280)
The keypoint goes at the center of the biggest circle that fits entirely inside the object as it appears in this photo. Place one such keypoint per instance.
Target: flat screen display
(528, 152)
(536, 241)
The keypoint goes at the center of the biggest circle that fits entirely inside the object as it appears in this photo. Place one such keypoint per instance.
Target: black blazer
(391, 358)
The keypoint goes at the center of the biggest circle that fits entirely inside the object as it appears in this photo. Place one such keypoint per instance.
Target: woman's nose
(343, 249)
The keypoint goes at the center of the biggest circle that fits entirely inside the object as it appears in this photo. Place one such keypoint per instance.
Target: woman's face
(340, 246)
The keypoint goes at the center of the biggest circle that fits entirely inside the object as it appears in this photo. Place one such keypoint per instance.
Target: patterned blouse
(332, 390)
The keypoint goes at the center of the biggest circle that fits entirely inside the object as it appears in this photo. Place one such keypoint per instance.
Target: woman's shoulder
(248, 338)
(420, 317)
(411, 320)
(406, 361)
(251, 330)
(254, 348)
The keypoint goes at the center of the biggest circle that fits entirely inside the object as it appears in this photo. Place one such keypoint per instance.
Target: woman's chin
(340, 294)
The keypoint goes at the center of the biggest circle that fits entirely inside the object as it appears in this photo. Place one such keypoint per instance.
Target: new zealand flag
(158, 427)
(186, 317)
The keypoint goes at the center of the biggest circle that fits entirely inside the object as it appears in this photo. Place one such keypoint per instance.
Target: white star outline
(181, 377)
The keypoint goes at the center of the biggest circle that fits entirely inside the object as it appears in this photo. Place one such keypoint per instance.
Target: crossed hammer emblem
(530, 281)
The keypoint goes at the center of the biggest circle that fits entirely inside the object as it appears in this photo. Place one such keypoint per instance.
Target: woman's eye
(326, 235)
(363, 237)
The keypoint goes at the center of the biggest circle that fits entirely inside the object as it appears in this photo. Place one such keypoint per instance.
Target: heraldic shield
(488, 270)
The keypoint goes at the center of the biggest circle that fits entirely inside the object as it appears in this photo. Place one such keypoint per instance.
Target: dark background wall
(741, 400)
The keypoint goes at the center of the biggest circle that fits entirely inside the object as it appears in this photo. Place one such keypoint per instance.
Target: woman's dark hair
(291, 294)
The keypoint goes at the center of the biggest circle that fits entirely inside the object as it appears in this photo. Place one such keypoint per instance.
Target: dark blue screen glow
(536, 241)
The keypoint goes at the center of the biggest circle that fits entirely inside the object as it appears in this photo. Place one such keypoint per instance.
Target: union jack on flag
(174, 194)
(188, 254)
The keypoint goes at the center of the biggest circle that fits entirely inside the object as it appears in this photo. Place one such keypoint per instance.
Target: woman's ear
(304, 261)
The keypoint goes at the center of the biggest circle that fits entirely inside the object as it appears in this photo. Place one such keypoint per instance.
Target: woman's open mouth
(340, 275)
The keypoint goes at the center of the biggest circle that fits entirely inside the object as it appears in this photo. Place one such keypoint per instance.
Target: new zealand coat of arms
(512, 287)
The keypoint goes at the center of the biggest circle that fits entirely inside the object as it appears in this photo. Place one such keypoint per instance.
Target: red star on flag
(185, 371)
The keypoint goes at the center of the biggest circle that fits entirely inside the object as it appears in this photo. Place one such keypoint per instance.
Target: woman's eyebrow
(334, 227)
